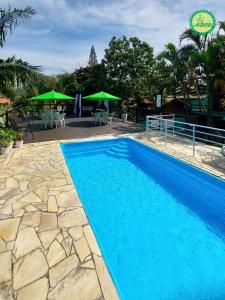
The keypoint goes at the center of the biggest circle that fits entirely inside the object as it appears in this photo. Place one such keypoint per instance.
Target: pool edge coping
(109, 290)
(195, 164)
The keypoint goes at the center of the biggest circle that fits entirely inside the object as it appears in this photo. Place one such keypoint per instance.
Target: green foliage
(199, 42)
(8, 133)
(5, 142)
(92, 57)
(208, 53)
(8, 89)
(91, 79)
(14, 73)
(128, 64)
(18, 136)
(7, 136)
(172, 63)
(66, 84)
(10, 19)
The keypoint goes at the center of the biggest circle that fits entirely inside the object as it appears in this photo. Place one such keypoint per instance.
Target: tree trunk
(187, 101)
(210, 102)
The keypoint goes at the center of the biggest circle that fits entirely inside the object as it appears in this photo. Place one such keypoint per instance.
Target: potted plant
(6, 133)
(10, 133)
(5, 145)
(19, 139)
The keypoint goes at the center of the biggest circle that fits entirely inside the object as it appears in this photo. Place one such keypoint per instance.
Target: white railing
(167, 126)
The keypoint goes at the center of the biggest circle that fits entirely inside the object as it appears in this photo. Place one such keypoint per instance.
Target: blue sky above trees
(60, 36)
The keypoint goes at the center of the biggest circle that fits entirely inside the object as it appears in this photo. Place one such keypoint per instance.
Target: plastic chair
(60, 119)
(45, 120)
(47, 117)
(94, 119)
(103, 117)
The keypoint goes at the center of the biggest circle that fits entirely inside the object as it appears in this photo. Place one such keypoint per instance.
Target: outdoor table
(100, 117)
(51, 116)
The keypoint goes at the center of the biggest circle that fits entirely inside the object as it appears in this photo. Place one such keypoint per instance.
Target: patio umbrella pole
(80, 105)
(75, 105)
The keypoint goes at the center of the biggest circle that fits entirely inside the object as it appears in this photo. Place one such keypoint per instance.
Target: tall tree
(14, 72)
(91, 79)
(176, 64)
(208, 54)
(11, 18)
(128, 63)
(92, 57)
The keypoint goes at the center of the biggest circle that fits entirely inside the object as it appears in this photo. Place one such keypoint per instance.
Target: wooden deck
(79, 128)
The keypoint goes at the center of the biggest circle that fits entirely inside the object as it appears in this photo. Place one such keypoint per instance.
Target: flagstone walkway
(47, 248)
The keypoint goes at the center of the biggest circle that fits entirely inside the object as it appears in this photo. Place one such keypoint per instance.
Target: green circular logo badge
(202, 22)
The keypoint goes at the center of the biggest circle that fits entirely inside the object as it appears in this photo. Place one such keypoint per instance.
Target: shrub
(19, 135)
(5, 142)
(8, 133)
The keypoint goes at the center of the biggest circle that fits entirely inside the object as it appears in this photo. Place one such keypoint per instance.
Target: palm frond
(189, 35)
(11, 18)
(187, 48)
(16, 71)
(221, 26)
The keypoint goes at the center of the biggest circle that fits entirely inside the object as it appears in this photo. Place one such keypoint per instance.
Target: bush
(7, 136)
(8, 133)
(19, 135)
(5, 142)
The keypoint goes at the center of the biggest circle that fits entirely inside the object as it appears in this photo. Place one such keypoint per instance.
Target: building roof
(181, 97)
(4, 100)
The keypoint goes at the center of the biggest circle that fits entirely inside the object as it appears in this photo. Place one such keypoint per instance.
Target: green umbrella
(102, 96)
(52, 96)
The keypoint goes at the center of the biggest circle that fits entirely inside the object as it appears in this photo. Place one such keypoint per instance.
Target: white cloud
(64, 58)
(62, 32)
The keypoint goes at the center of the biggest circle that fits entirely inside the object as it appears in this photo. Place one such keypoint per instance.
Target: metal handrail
(6, 113)
(198, 138)
(166, 125)
(11, 110)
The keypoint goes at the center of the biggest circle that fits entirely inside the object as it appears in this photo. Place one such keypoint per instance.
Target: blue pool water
(160, 223)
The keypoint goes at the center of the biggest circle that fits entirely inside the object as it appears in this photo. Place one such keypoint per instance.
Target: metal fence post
(166, 129)
(208, 137)
(193, 140)
(173, 123)
(148, 128)
(7, 119)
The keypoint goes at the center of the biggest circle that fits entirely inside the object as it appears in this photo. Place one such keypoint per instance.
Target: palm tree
(11, 18)
(197, 42)
(208, 53)
(174, 63)
(15, 72)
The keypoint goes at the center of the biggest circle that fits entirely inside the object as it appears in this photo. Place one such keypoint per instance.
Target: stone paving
(209, 159)
(47, 247)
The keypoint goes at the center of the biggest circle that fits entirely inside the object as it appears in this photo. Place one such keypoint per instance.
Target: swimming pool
(160, 222)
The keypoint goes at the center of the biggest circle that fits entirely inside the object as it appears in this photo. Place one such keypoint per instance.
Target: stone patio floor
(47, 247)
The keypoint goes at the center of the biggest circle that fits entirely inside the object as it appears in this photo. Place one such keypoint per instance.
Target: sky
(60, 35)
